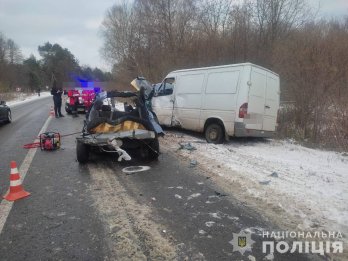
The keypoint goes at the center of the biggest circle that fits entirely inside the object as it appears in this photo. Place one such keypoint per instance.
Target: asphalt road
(98, 212)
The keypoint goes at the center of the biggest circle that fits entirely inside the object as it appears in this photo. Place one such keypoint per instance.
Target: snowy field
(22, 98)
(297, 187)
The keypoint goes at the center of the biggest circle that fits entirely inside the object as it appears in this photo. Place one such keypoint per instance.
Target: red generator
(50, 141)
(79, 100)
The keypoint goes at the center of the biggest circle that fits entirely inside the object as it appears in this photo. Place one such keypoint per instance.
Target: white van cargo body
(239, 100)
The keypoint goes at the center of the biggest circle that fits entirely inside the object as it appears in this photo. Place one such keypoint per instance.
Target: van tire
(214, 133)
(82, 152)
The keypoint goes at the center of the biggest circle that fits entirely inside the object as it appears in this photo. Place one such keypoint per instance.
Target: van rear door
(271, 103)
(263, 102)
(256, 99)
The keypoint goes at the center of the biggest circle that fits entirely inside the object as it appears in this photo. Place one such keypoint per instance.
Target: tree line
(32, 74)
(153, 37)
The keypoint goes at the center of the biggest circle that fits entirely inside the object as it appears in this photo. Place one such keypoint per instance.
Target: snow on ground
(22, 98)
(309, 186)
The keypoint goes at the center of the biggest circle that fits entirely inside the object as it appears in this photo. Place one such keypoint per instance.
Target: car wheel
(214, 133)
(9, 116)
(68, 111)
(82, 152)
(153, 149)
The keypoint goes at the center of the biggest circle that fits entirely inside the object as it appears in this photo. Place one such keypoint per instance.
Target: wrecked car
(118, 122)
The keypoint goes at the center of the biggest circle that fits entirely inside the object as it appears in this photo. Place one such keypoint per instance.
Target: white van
(239, 100)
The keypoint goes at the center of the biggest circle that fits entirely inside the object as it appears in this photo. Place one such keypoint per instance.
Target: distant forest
(31, 74)
(153, 37)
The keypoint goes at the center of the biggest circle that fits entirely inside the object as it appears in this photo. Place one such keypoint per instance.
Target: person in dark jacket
(57, 99)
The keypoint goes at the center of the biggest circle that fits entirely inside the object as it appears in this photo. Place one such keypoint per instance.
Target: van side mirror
(168, 91)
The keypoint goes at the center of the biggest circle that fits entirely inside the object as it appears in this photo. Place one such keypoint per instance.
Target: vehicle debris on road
(186, 146)
(265, 182)
(193, 163)
(220, 194)
(274, 175)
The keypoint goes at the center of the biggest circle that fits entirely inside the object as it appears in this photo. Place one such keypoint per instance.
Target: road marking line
(6, 206)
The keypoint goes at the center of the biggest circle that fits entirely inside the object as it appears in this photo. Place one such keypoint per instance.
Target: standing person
(57, 99)
(74, 108)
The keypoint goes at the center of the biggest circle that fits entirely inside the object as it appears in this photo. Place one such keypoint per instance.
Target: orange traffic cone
(52, 112)
(16, 190)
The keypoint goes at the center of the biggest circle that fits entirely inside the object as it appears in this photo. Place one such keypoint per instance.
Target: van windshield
(166, 88)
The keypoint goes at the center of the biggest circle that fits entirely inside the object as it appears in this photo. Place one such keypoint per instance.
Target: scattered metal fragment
(220, 194)
(265, 182)
(274, 175)
(186, 146)
(193, 163)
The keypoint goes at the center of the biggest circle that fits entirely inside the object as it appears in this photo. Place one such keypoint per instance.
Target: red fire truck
(79, 99)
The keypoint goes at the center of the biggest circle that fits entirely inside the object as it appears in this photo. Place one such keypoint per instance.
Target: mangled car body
(118, 122)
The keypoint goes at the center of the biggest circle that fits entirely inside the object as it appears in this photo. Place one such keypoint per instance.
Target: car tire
(214, 133)
(68, 111)
(153, 149)
(9, 116)
(82, 152)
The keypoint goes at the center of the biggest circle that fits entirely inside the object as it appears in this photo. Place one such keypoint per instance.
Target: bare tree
(118, 32)
(152, 37)
(313, 65)
(14, 54)
(274, 20)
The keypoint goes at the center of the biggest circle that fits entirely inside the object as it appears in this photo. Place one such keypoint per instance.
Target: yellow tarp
(124, 126)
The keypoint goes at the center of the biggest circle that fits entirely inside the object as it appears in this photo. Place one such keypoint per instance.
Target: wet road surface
(98, 212)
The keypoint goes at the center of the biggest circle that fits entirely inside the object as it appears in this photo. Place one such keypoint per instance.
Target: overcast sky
(75, 24)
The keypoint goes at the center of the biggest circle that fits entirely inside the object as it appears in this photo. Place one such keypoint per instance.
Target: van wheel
(214, 133)
(82, 152)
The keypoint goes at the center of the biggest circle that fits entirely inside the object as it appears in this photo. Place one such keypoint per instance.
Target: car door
(3, 112)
